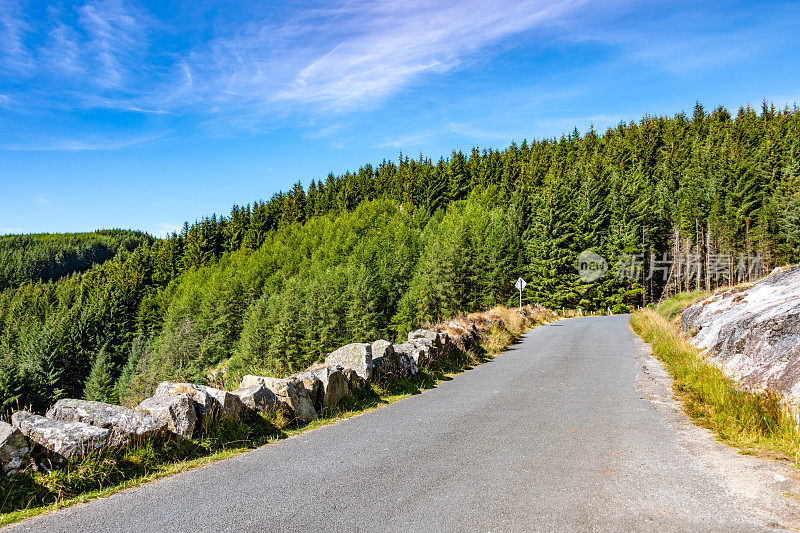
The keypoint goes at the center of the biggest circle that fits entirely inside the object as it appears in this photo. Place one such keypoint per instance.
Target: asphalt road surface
(549, 436)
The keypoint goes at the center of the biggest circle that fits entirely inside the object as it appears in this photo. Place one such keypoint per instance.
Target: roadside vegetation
(275, 284)
(753, 422)
(104, 473)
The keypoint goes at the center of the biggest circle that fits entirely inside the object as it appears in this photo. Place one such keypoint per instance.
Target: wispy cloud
(8, 230)
(43, 200)
(343, 56)
(80, 145)
(368, 50)
(14, 56)
(164, 229)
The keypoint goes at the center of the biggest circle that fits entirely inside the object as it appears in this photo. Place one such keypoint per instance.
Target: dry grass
(102, 474)
(752, 421)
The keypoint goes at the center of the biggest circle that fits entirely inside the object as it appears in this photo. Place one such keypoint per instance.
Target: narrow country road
(550, 436)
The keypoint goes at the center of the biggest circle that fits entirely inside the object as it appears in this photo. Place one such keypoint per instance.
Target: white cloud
(365, 51)
(14, 56)
(43, 200)
(347, 56)
(82, 145)
(164, 229)
(10, 231)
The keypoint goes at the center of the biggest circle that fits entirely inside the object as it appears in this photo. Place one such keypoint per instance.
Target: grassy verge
(99, 475)
(753, 422)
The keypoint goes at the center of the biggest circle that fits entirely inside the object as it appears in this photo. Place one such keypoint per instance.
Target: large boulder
(753, 332)
(464, 337)
(177, 410)
(438, 343)
(290, 393)
(389, 362)
(419, 352)
(67, 440)
(356, 357)
(334, 385)
(125, 424)
(257, 398)
(212, 404)
(313, 386)
(14, 449)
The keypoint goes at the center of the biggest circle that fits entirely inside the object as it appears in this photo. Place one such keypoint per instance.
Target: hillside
(48, 257)
(277, 284)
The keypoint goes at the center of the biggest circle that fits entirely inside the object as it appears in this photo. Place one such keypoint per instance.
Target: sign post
(520, 284)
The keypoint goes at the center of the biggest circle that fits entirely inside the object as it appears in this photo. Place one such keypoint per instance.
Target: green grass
(102, 474)
(670, 307)
(753, 422)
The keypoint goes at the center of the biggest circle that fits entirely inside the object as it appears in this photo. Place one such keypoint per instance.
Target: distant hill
(50, 256)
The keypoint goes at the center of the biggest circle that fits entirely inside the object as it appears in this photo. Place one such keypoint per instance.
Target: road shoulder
(767, 489)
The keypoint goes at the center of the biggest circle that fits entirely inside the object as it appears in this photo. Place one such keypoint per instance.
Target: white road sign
(520, 284)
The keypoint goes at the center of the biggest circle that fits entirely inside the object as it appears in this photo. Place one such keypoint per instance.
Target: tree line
(276, 284)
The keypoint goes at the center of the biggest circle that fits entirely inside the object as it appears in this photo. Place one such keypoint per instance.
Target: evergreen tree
(99, 386)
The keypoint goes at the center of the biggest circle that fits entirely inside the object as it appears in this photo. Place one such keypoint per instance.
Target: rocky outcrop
(333, 385)
(177, 410)
(257, 398)
(14, 449)
(125, 424)
(356, 357)
(753, 332)
(67, 440)
(290, 393)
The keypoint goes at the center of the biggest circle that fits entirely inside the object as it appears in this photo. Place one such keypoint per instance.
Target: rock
(334, 385)
(177, 410)
(290, 393)
(464, 337)
(356, 356)
(438, 342)
(418, 352)
(14, 449)
(68, 440)
(391, 362)
(753, 332)
(429, 334)
(383, 358)
(212, 404)
(125, 424)
(257, 398)
(313, 386)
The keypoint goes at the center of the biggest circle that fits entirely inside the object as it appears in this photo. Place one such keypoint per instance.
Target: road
(549, 436)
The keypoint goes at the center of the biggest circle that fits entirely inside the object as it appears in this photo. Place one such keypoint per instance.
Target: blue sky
(145, 114)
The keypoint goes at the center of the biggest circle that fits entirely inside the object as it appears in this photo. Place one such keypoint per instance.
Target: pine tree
(99, 386)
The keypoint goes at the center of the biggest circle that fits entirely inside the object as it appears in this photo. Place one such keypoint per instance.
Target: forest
(48, 257)
(273, 286)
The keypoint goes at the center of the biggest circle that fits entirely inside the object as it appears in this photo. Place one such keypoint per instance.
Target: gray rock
(212, 405)
(257, 398)
(356, 356)
(753, 332)
(334, 385)
(177, 410)
(417, 351)
(290, 393)
(14, 449)
(313, 386)
(391, 362)
(125, 424)
(68, 440)
(354, 381)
